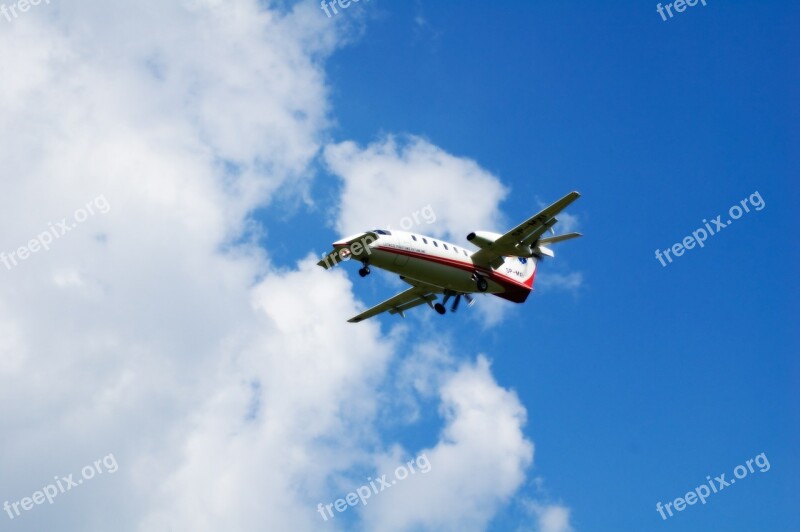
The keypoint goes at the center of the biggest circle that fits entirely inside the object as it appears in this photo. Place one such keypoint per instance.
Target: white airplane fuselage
(504, 265)
(442, 264)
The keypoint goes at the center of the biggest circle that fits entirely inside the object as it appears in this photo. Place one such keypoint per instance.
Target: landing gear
(364, 271)
(441, 308)
(483, 286)
(454, 306)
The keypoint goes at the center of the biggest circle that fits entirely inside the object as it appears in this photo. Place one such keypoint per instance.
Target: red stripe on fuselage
(515, 290)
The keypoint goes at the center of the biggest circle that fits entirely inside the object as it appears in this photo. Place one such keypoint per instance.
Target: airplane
(504, 265)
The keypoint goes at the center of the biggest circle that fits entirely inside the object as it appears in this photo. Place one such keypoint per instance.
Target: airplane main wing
(514, 242)
(413, 297)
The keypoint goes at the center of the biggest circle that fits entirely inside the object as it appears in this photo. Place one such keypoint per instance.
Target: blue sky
(645, 379)
(184, 334)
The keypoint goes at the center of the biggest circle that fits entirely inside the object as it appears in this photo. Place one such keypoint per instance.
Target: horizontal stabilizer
(559, 238)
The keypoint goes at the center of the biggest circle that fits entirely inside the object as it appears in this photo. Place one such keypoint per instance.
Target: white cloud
(567, 222)
(258, 456)
(477, 465)
(185, 116)
(418, 376)
(231, 395)
(565, 281)
(491, 310)
(392, 179)
(550, 517)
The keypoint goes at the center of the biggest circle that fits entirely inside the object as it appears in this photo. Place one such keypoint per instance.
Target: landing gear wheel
(363, 272)
(438, 307)
(483, 286)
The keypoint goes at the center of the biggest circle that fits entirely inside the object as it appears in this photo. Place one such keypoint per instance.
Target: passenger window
(465, 252)
(413, 238)
(425, 240)
(435, 243)
(444, 245)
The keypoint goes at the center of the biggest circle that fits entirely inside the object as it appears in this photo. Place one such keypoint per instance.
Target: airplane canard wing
(413, 297)
(517, 242)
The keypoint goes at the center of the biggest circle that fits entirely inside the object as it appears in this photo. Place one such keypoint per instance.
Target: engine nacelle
(483, 239)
